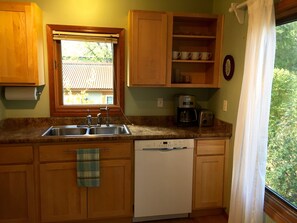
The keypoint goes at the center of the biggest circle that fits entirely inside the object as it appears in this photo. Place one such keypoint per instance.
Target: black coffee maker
(186, 113)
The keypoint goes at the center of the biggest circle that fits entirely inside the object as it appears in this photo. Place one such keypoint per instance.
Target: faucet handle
(106, 108)
(107, 114)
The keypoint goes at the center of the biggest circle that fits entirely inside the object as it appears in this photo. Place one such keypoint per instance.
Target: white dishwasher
(163, 179)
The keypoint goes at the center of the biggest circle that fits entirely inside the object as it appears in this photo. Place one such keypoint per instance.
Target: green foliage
(281, 173)
(286, 47)
(84, 51)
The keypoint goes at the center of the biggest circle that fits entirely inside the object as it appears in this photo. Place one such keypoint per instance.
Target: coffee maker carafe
(186, 113)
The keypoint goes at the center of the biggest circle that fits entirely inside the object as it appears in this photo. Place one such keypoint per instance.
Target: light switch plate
(160, 102)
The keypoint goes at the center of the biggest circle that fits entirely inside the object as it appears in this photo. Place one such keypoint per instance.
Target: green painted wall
(234, 44)
(112, 13)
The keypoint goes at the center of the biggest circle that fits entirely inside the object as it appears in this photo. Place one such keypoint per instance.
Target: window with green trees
(281, 175)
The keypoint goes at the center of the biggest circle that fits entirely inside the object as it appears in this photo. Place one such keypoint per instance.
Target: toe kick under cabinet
(154, 36)
(62, 200)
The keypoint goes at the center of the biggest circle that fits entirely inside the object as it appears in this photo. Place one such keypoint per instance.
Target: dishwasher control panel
(164, 143)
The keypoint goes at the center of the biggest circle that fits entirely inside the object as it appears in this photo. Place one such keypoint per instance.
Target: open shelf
(195, 33)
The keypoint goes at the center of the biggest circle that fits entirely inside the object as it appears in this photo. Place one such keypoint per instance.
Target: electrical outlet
(225, 105)
(160, 102)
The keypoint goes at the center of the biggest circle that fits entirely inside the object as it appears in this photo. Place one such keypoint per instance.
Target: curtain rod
(235, 6)
(239, 10)
(243, 5)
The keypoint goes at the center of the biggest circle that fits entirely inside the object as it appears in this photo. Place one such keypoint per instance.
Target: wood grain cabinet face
(21, 44)
(147, 48)
(150, 51)
(113, 197)
(17, 198)
(209, 174)
(60, 198)
(63, 200)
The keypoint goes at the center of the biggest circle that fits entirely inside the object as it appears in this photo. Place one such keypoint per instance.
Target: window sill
(277, 209)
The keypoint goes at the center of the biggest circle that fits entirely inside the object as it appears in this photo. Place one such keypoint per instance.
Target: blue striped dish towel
(87, 167)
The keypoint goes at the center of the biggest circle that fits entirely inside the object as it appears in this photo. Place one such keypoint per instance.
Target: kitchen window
(86, 69)
(281, 180)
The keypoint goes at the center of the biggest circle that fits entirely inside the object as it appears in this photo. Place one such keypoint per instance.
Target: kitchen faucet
(99, 119)
(89, 120)
(107, 114)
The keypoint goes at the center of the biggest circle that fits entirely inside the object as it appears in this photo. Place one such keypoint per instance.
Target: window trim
(275, 207)
(55, 85)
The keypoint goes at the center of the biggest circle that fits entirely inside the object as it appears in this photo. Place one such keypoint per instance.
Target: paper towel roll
(21, 93)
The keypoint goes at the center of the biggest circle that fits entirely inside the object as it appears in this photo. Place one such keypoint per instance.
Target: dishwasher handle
(164, 149)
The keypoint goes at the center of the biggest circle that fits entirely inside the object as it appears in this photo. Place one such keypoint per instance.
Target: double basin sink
(76, 130)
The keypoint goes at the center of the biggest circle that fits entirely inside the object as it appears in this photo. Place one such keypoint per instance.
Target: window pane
(87, 72)
(281, 173)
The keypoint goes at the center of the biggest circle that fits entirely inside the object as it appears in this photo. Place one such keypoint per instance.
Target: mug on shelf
(176, 55)
(196, 56)
(185, 55)
(206, 55)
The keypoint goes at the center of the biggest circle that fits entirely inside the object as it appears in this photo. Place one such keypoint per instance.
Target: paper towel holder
(22, 93)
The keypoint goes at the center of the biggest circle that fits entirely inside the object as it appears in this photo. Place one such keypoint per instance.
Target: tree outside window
(281, 168)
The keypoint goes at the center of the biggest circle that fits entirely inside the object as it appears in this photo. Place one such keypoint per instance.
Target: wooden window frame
(55, 83)
(274, 206)
(278, 209)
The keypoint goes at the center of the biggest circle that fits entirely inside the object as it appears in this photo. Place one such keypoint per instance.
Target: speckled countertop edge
(30, 130)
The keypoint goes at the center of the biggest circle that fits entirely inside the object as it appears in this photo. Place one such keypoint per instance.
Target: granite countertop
(30, 130)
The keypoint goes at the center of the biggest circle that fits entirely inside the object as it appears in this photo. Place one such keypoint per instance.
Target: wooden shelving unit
(194, 33)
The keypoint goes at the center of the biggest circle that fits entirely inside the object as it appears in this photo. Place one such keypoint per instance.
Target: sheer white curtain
(250, 146)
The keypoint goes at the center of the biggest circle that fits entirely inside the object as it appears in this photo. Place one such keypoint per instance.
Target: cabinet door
(148, 48)
(208, 191)
(113, 197)
(60, 197)
(21, 58)
(17, 194)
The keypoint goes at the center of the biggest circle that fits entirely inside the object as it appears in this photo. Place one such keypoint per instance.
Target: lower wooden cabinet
(209, 174)
(17, 198)
(62, 200)
(113, 197)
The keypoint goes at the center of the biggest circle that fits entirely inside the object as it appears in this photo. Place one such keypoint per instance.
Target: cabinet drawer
(67, 152)
(210, 147)
(16, 154)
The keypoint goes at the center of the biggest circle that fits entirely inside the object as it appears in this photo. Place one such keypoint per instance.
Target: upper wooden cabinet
(21, 45)
(147, 48)
(187, 33)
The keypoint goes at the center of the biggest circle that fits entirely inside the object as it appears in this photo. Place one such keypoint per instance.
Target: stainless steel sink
(110, 130)
(65, 130)
(73, 130)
